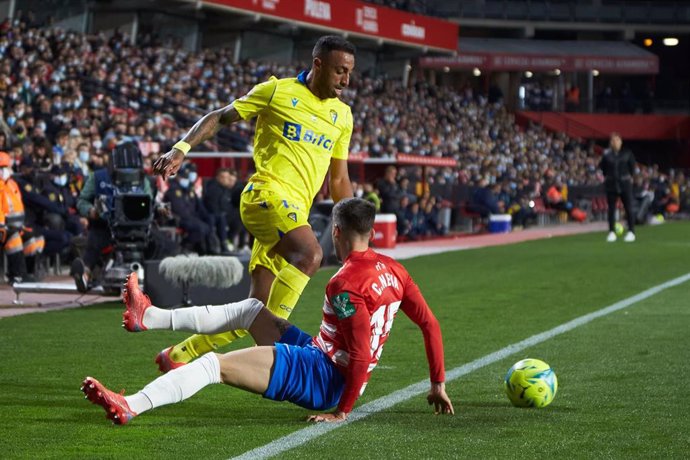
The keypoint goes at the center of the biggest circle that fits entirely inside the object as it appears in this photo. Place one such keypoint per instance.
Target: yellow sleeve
(342, 147)
(249, 105)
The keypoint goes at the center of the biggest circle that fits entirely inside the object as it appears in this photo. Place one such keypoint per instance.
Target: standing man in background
(618, 166)
(302, 131)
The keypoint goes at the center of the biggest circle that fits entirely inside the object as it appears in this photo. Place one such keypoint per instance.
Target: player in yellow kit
(302, 131)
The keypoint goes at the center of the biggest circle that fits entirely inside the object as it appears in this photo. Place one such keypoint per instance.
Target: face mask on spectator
(97, 144)
(184, 182)
(11, 120)
(193, 176)
(83, 156)
(5, 173)
(60, 181)
(41, 125)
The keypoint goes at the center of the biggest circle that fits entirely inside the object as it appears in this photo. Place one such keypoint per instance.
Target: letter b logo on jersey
(292, 131)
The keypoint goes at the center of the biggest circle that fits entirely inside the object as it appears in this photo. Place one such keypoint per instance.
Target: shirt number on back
(381, 322)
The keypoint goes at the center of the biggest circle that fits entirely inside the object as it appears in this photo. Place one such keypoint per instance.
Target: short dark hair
(354, 215)
(328, 43)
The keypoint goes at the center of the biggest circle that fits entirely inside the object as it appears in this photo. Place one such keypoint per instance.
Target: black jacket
(618, 169)
(217, 198)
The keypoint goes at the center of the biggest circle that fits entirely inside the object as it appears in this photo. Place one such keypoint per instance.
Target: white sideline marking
(304, 435)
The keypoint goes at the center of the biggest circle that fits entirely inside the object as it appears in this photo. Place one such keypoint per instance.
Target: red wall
(600, 126)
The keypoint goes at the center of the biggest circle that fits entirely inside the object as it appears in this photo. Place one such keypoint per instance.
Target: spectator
(484, 200)
(22, 245)
(390, 192)
(370, 194)
(62, 214)
(191, 214)
(218, 201)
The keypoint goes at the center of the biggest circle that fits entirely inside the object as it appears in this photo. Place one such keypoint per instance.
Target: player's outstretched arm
(440, 400)
(203, 130)
(335, 416)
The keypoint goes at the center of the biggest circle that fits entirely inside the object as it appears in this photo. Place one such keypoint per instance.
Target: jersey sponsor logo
(294, 101)
(342, 305)
(296, 133)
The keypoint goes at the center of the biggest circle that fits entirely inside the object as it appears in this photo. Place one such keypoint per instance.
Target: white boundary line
(304, 435)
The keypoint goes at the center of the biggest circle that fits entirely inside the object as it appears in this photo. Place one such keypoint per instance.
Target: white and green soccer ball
(531, 383)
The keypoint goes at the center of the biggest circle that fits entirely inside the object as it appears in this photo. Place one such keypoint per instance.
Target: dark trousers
(98, 238)
(626, 197)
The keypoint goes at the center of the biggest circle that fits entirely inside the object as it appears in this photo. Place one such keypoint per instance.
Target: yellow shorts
(268, 215)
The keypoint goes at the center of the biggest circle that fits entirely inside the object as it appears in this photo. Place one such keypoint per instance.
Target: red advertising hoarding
(533, 62)
(354, 17)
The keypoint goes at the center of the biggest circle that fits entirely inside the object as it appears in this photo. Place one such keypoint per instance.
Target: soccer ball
(618, 228)
(531, 383)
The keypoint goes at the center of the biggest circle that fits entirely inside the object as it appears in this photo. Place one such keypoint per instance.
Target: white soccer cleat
(611, 237)
(629, 237)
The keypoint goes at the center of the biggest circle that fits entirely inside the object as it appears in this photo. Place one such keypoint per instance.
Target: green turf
(621, 378)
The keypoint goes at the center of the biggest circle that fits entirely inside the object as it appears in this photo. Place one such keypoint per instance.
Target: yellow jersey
(296, 136)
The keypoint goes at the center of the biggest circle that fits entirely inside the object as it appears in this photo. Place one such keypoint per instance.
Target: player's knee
(311, 259)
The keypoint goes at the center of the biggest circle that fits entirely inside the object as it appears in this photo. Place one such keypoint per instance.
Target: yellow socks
(200, 344)
(285, 292)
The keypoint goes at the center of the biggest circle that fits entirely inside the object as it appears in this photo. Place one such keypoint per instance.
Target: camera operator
(124, 174)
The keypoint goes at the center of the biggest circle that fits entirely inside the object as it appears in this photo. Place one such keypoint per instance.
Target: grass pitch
(621, 377)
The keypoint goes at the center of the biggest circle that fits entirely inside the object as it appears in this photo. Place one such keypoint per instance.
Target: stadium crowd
(66, 99)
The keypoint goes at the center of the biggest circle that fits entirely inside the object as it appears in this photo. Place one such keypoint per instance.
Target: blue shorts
(303, 374)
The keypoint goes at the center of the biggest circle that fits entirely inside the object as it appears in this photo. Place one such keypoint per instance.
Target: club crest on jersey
(293, 216)
(342, 305)
(294, 101)
(334, 116)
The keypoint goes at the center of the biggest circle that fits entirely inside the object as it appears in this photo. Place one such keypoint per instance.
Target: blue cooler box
(500, 223)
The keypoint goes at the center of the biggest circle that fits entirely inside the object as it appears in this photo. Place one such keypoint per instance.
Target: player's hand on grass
(168, 164)
(438, 397)
(336, 416)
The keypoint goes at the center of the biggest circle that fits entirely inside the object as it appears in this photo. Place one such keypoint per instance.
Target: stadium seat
(470, 220)
(544, 215)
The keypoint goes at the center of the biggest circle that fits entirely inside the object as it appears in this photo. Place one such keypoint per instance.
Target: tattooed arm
(203, 130)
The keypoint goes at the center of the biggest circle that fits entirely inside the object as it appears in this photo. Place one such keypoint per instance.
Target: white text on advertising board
(413, 31)
(317, 10)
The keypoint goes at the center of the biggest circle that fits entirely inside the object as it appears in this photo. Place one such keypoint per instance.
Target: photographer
(124, 176)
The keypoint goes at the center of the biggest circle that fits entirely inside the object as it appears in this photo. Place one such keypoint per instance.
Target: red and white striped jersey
(362, 299)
